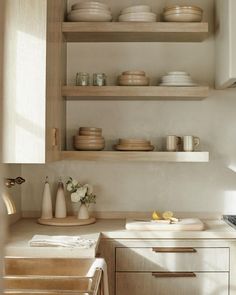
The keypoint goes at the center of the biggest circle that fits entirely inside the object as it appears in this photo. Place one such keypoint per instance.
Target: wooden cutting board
(186, 224)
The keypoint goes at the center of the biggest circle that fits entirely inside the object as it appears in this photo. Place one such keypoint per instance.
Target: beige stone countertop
(21, 232)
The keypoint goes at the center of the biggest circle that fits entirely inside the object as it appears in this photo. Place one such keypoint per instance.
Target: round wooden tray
(68, 221)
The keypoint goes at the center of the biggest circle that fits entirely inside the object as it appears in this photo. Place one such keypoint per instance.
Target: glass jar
(99, 79)
(82, 79)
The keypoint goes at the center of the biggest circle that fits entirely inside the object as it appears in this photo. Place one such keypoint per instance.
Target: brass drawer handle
(173, 274)
(174, 250)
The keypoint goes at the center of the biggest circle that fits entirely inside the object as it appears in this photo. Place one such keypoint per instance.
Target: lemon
(156, 215)
(167, 215)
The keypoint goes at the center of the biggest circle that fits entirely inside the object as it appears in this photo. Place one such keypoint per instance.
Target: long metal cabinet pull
(174, 250)
(174, 274)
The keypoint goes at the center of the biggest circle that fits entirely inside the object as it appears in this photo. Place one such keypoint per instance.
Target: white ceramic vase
(60, 208)
(83, 212)
(46, 202)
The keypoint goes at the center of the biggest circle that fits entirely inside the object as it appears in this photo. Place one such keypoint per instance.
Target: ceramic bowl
(90, 4)
(137, 73)
(93, 129)
(133, 82)
(183, 17)
(183, 10)
(174, 7)
(90, 133)
(90, 10)
(136, 8)
(89, 17)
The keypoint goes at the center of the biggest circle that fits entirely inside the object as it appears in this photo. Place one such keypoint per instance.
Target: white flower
(82, 192)
(75, 197)
(69, 187)
(74, 182)
(89, 188)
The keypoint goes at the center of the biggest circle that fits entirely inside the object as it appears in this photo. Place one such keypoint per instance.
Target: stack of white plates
(185, 13)
(133, 78)
(89, 12)
(137, 13)
(177, 79)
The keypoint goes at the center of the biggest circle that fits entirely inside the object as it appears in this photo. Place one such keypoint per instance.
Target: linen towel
(101, 264)
(61, 241)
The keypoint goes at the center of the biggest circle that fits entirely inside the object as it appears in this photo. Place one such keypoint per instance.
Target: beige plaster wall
(199, 187)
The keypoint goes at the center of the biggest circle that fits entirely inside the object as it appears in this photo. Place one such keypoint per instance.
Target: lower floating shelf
(135, 156)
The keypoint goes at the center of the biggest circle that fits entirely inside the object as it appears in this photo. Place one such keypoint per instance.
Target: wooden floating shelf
(134, 93)
(136, 156)
(134, 32)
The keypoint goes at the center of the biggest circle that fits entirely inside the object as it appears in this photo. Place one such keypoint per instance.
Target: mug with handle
(173, 143)
(190, 143)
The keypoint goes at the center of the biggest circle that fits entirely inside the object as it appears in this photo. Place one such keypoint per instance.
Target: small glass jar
(82, 79)
(99, 79)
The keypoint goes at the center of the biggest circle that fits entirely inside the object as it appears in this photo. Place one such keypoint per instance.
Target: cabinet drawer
(172, 259)
(146, 283)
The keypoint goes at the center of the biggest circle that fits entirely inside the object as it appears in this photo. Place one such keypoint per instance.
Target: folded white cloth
(101, 264)
(61, 241)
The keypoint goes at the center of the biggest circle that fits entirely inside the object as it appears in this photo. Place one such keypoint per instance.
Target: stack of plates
(89, 12)
(89, 139)
(178, 13)
(133, 144)
(177, 79)
(133, 78)
(137, 13)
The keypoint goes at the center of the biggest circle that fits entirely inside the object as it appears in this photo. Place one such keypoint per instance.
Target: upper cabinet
(33, 60)
(225, 43)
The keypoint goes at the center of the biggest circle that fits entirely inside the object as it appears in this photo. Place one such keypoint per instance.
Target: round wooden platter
(67, 221)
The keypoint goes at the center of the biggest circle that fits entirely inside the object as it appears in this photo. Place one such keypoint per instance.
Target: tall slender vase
(46, 202)
(83, 212)
(60, 208)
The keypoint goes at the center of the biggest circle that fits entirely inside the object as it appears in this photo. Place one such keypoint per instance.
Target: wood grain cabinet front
(172, 270)
(34, 55)
(141, 283)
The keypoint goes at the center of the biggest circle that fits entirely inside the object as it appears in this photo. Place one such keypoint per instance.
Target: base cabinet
(176, 267)
(141, 283)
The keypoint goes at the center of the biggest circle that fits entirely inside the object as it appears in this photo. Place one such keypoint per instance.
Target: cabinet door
(172, 259)
(32, 80)
(148, 283)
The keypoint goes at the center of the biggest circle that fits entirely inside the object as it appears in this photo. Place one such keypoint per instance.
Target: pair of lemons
(167, 215)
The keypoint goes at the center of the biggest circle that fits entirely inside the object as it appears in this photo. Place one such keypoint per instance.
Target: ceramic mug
(173, 143)
(190, 143)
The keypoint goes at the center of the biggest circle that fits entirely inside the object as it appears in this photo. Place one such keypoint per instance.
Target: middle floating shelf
(134, 93)
(175, 157)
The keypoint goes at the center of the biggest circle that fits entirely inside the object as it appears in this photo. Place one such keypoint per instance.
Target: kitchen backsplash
(123, 186)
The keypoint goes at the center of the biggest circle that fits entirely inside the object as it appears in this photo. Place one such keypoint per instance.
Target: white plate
(175, 79)
(182, 17)
(178, 73)
(139, 14)
(90, 10)
(89, 4)
(178, 84)
(137, 19)
(89, 17)
(136, 8)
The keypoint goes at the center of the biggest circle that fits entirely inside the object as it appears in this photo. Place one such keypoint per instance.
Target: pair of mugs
(187, 143)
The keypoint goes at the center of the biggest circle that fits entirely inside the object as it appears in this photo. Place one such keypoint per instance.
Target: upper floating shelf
(134, 93)
(134, 32)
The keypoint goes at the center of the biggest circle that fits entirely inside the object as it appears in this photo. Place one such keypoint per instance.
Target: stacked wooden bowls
(89, 139)
(133, 78)
(185, 13)
(133, 144)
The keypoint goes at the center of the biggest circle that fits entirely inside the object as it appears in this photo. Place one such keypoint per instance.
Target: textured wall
(202, 187)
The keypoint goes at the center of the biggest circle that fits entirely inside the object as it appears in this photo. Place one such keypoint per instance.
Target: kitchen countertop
(21, 232)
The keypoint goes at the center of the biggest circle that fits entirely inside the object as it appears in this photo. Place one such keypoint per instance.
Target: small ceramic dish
(183, 17)
(137, 73)
(174, 7)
